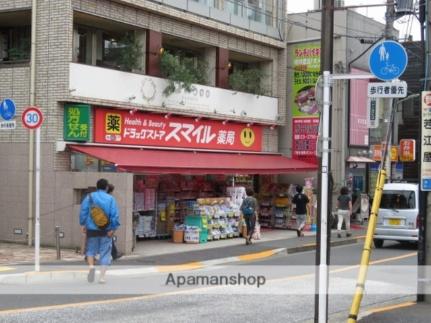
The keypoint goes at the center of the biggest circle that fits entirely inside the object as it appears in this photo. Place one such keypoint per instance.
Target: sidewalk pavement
(182, 257)
(411, 312)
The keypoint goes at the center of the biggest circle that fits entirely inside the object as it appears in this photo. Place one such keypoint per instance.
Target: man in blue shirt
(99, 241)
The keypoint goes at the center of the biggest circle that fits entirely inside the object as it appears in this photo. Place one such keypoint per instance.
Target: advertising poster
(306, 71)
(305, 111)
(358, 123)
(305, 135)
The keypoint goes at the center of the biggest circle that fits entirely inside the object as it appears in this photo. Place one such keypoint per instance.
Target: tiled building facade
(62, 27)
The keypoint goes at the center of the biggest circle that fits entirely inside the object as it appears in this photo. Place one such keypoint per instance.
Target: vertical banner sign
(426, 142)
(358, 127)
(373, 113)
(76, 122)
(305, 111)
(407, 150)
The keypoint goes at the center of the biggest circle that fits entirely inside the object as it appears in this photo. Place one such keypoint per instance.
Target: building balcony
(97, 84)
(257, 16)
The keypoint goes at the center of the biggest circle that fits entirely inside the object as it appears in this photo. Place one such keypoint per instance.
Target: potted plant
(130, 53)
(182, 72)
(249, 80)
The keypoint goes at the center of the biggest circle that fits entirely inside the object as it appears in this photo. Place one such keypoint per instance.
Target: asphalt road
(286, 296)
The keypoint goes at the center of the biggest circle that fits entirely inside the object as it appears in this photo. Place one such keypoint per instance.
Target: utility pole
(323, 237)
(424, 252)
(389, 34)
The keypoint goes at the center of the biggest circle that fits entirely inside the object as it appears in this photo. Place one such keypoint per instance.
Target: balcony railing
(92, 82)
(236, 13)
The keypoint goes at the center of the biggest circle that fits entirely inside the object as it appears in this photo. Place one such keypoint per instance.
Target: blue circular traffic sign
(7, 109)
(388, 60)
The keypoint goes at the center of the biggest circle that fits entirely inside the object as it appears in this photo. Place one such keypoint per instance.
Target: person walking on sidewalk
(99, 219)
(249, 211)
(344, 211)
(300, 200)
(114, 252)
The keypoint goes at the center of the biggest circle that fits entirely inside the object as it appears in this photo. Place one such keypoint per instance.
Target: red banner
(145, 129)
(407, 150)
(305, 133)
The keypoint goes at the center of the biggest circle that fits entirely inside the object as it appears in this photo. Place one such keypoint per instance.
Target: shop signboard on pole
(426, 142)
(407, 150)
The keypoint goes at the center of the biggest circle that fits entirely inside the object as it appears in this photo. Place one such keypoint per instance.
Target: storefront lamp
(225, 122)
(167, 115)
(198, 119)
(161, 50)
(272, 127)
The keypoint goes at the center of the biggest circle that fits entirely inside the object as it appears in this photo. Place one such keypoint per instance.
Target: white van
(398, 214)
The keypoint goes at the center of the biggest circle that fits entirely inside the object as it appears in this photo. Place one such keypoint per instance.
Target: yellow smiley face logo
(247, 137)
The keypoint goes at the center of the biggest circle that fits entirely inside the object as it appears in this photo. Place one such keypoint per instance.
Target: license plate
(394, 221)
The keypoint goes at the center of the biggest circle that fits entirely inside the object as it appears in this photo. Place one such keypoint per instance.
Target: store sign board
(378, 152)
(144, 129)
(305, 135)
(407, 150)
(76, 122)
(396, 89)
(426, 142)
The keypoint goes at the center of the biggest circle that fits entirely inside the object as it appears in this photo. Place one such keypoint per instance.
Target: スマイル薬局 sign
(121, 128)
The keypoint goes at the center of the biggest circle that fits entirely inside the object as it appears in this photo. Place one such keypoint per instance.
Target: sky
(404, 24)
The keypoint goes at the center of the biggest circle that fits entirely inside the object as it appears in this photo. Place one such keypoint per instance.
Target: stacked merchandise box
(223, 217)
(265, 211)
(282, 214)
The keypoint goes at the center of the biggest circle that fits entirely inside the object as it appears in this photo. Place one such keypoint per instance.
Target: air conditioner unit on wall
(404, 7)
(339, 3)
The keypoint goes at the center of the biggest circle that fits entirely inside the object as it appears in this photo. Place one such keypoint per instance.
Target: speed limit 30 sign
(32, 118)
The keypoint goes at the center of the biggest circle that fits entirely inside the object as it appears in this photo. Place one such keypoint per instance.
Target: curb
(63, 276)
(312, 246)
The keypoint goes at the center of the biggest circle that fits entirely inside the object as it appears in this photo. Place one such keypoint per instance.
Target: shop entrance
(203, 208)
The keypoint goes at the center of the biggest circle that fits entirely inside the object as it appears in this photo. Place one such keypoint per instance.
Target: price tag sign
(32, 118)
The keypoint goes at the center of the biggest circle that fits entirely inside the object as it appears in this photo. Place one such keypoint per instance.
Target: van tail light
(418, 221)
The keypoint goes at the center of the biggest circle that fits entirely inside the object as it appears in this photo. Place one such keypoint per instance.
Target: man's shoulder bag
(100, 219)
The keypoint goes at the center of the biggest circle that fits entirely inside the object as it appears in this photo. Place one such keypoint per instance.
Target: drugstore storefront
(187, 173)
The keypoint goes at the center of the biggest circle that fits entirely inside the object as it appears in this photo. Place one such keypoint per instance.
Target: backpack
(100, 219)
(248, 209)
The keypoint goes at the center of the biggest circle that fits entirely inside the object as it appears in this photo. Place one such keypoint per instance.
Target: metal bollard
(57, 242)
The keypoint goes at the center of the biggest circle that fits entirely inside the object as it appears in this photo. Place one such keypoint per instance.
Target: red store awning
(155, 161)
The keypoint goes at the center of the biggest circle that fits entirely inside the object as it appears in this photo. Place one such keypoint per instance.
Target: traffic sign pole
(37, 205)
(32, 118)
